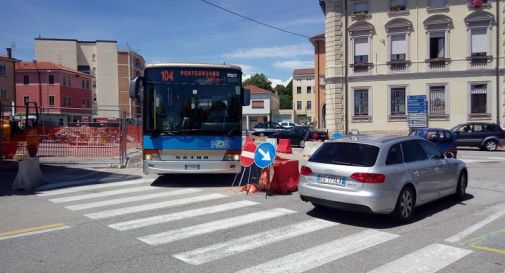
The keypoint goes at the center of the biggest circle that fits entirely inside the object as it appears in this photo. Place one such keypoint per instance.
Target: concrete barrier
(311, 147)
(29, 175)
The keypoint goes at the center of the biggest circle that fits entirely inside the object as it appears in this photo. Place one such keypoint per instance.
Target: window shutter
(398, 44)
(480, 40)
(361, 47)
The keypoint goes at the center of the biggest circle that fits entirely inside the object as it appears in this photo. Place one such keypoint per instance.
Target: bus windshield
(184, 109)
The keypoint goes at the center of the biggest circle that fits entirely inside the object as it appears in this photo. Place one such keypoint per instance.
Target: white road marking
(427, 260)
(322, 254)
(153, 206)
(460, 235)
(232, 247)
(183, 233)
(102, 194)
(131, 199)
(33, 232)
(93, 187)
(144, 222)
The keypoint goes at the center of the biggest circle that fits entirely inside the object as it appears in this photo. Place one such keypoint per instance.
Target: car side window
(394, 155)
(413, 151)
(465, 129)
(432, 152)
(414, 133)
(479, 128)
(493, 128)
(432, 135)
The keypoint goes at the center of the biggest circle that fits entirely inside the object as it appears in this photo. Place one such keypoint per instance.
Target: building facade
(62, 94)
(319, 74)
(263, 106)
(101, 59)
(7, 82)
(304, 97)
(130, 65)
(382, 53)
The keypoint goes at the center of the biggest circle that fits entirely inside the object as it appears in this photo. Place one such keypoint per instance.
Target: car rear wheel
(461, 186)
(490, 145)
(405, 205)
(262, 134)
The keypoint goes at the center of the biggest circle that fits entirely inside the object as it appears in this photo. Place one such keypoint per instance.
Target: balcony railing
(361, 67)
(438, 63)
(479, 61)
(399, 66)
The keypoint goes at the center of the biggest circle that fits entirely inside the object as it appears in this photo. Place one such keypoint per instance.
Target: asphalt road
(197, 224)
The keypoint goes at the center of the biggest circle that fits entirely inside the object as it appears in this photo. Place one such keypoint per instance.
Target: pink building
(63, 94)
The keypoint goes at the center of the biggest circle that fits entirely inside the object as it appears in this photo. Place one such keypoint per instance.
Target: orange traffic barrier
(284, 146)
(286, 176)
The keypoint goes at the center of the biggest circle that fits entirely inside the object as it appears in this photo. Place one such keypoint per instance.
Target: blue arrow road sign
(264, 155)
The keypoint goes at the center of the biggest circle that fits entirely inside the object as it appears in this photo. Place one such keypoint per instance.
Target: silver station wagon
(381, 175)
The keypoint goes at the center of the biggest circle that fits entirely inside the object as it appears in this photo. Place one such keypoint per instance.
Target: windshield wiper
(344, 163)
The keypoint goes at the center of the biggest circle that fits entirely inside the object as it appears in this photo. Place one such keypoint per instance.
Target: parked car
(288, 124)
(299, 134)
(486, 136)
(266, 129)
(443, 138)
(381, 175)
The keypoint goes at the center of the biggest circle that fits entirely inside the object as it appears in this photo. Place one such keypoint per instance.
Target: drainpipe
(498, 113)
(346, 72)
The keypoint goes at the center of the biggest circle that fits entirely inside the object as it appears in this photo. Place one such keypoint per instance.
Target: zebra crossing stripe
(102, 194)
(153, 206)
(187, 232)
(131, 199)
(144, 222)
(232, 247)
(93, 187)
(322, 254)
(427, 260)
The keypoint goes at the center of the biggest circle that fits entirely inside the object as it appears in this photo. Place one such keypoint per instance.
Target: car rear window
(343, 153)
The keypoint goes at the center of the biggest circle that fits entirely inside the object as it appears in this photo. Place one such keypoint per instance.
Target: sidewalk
(58, 176)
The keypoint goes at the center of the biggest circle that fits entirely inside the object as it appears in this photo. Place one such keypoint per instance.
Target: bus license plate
(192, 166)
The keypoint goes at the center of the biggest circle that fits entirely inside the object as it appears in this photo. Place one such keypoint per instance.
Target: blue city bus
(192, 117)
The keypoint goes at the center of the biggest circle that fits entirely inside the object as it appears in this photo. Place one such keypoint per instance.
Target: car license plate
(330, 179)
(192, 166)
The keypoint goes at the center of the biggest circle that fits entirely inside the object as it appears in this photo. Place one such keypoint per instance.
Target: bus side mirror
(247, 97)
(135, 85)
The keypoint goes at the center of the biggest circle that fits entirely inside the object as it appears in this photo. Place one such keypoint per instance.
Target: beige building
(100, 58)
(130, 65)
(304, 98)
(7, 82)
(448, 51)
(264, 105)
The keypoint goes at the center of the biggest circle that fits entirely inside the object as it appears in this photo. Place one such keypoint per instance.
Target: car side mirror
(448, 155)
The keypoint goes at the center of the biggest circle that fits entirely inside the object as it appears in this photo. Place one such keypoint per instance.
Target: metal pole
(498, 113)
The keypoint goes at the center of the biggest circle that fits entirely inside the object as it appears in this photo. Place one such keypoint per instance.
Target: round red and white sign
(247, 154)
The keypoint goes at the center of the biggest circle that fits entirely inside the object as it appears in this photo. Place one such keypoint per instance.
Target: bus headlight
(151, 155)
(232, 155)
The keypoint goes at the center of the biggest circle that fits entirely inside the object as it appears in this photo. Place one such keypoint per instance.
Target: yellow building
(304, 95)
(450, 52)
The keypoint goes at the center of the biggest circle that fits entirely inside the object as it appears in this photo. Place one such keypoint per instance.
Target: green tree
(285, 95)
(259, 80)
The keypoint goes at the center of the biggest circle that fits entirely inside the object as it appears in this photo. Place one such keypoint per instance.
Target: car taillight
(369, 177)
(452, 148)
(306, 171)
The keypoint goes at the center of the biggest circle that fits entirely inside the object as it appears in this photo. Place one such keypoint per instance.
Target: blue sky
(174, 30)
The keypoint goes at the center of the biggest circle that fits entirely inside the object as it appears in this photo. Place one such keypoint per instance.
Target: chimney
(9, 52)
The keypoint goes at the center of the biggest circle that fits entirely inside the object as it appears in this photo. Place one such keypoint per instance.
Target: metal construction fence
(58, 136)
